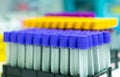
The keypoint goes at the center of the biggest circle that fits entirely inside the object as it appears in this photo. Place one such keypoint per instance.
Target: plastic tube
(83, 45)
(29, 56)
(74, 55)
(8, 53)
(46, 53)
(7, 40)
(64, 54)
(29, 50)
(21, 49)
(37, 58)
(14, 51)
(21, 56)
(37, 52)
(64, 60)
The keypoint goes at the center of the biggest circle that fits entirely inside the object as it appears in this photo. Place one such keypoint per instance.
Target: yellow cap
(71, 23)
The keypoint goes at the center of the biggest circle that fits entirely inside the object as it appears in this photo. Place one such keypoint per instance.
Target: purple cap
(29, 38)
(106, 35)
(100, 38)
(49, 14)
(85, 14)
(76, 14)
(7, 36)
(65, 14)
(83, 42)
(13, 37)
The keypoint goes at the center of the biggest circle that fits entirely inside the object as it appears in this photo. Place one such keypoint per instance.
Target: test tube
(8, 44)
(64, 53)
(102, 51)
(46, 52)
(74, 55)
(55, 50)
(37, 51)
(83, 46)
(14, 50)
(90, 54)
(96, 57)
(29, 50)
(106, 35)
(21, 49)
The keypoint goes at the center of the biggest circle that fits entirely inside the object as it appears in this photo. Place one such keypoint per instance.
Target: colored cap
(83, 42)
(37, 39)
(21, 37)
(100, 38)
(13, 37)
(90, 40)
(95, 39)
(89, 34)
(106, 35)
(74, 38)
(64, 39)
(46, 39)
(54, 40)
(7, 36)
(29, 38)
(73, 41)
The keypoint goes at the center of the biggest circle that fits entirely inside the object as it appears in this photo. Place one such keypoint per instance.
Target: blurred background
(13, 12)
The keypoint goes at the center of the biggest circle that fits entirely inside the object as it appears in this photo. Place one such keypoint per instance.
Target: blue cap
(21, 37)
(46, 39)
(29, 38)
(13, 37)
(83, 42)
(7, 36)
(90, 38)
(106, 35)
(64, 39)
(54, 40)
(73, 41)
(95, 38)
(37, 39)
(100, 38)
